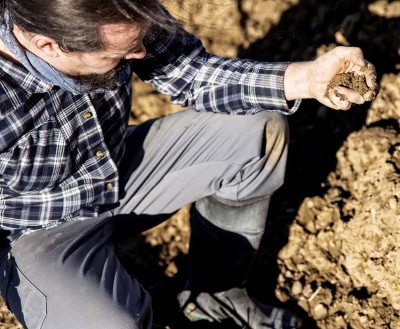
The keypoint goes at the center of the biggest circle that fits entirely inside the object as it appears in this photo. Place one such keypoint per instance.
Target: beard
(106, 80)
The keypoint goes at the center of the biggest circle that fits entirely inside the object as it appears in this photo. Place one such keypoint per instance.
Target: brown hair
(74, 24)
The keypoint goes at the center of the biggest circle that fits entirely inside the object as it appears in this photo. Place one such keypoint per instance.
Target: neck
(5, 53)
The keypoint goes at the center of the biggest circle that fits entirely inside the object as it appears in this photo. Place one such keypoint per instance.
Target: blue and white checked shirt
(59, 152)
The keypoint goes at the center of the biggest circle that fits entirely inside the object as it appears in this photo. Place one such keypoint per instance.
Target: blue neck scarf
(37, 66)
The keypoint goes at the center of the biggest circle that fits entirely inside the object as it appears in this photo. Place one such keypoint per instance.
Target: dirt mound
(341, 263)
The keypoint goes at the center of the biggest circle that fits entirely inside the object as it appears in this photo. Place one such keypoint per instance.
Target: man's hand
(311, 79)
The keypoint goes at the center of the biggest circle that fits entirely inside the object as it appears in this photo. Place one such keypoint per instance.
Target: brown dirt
(331, 252)
(349, 80)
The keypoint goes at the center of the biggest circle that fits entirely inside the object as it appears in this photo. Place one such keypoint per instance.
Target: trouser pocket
(24, 299)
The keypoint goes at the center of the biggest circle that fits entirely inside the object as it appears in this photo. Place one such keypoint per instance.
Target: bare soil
(331, 252)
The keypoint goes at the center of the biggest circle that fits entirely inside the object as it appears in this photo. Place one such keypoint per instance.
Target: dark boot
(220, 254)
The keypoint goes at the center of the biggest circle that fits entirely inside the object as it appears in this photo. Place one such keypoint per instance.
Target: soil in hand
(349, 80)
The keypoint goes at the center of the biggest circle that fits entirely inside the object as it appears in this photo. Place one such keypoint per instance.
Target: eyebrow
(133, 48)
(119, 53)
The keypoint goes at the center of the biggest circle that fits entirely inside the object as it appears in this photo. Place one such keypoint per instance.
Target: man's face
(99, 68)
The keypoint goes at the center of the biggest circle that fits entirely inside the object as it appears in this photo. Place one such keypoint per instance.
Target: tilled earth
(331, 252)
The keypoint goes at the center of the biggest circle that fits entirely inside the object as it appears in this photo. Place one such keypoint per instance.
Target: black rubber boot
(220, 259)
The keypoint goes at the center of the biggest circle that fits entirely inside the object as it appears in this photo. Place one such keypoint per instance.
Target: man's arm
(178, 65)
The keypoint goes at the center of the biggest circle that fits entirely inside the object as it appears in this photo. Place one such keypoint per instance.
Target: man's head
(86, 39)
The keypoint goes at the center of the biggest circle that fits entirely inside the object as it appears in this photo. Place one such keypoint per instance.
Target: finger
(350, 95)
(352, 54)
(370, 78)
(369, 95)
(357, 57)
(337, 100)
(369, 72)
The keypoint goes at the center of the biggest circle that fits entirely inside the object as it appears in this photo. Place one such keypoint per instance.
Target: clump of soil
(351, 80)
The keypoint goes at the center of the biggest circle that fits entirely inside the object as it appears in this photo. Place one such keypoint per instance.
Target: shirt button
(110, 186)
(100, 154)
(87, 115)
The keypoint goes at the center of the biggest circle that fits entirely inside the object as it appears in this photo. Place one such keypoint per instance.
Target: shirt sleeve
(178, 65)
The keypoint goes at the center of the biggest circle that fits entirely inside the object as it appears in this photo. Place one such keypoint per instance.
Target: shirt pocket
(40, 160)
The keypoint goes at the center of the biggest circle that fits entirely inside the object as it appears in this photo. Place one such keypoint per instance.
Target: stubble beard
(106, 80)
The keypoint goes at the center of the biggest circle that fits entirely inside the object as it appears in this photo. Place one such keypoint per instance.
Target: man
(70, 167)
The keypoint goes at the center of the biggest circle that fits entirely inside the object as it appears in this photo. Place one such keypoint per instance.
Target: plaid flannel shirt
(59, 152)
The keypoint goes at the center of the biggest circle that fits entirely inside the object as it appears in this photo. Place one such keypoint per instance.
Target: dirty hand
(315, 79)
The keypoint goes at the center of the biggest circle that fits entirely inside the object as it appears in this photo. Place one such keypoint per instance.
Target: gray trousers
(69, 277)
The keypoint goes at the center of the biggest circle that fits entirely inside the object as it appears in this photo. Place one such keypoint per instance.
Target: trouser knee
(264, 142)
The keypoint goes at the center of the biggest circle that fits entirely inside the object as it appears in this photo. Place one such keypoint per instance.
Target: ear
(45, 46)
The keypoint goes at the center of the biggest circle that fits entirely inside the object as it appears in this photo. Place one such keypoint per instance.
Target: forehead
(120, 36)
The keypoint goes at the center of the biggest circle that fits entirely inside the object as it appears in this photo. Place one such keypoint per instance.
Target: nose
(138, 53)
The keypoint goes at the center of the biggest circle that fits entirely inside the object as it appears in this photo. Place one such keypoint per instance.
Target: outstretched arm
(178, 65)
